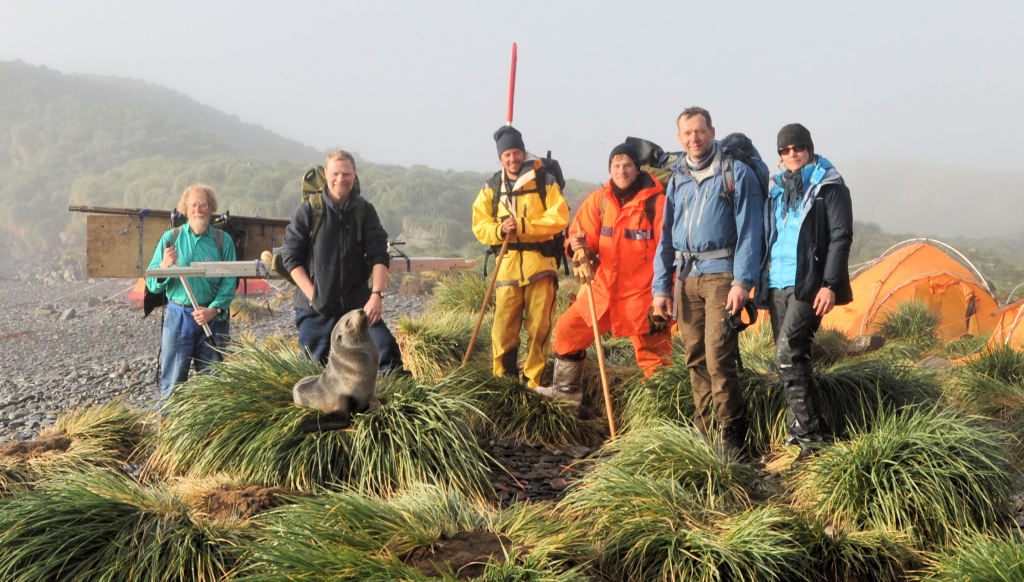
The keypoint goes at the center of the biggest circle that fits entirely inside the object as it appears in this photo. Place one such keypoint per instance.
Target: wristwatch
(380, 293)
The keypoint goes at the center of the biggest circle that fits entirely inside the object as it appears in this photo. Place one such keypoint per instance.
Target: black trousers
(793, 324)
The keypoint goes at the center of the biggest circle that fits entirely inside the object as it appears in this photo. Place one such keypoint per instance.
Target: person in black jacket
(808, 231)
(330, 268)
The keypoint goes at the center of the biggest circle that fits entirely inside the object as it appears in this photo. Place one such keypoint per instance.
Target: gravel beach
(68, 343)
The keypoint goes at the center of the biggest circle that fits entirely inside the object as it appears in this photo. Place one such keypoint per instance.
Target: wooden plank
(421, 264)
(113, 246)
(121, 241)
(257, 270)
(120, 246)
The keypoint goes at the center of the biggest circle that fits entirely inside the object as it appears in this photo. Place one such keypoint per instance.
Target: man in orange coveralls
(620, 224)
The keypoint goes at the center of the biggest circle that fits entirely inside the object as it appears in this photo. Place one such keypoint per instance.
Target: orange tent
(919, 270)
(1008, 329)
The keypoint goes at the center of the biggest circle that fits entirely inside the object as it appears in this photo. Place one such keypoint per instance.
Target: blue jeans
(183, 343)
(315, 338)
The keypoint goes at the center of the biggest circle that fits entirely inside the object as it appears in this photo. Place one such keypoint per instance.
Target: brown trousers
(711, 359)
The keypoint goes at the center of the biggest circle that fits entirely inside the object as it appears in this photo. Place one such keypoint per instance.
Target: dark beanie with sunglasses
(795, 134)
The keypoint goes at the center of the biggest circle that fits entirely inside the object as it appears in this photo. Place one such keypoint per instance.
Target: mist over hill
(93, 140)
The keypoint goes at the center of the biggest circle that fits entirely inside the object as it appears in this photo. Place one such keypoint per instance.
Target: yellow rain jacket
(540, 219)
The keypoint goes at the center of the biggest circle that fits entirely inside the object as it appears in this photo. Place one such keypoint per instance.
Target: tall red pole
(504, 245)
(511, 87)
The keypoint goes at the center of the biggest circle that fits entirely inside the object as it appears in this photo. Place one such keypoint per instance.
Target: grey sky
(426, 82)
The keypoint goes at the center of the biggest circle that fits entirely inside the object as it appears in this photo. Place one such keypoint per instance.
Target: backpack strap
(360, 210)
(650, 208)
(728, 174)
(316, 203)
(218, 237)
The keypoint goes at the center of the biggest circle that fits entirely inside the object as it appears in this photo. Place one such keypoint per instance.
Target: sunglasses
(796, 149)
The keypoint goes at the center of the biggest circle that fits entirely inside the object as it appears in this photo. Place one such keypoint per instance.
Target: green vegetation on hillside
(90, 140)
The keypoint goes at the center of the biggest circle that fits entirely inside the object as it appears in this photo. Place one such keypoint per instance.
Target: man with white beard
(183, 341)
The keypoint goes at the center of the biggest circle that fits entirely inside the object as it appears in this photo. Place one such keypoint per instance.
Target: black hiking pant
(794, 324)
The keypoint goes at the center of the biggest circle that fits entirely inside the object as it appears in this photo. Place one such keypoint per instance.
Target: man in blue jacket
(711, 243)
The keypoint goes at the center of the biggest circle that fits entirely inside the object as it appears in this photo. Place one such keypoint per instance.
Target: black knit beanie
(795, 134)
(624, 148)
(507, 138)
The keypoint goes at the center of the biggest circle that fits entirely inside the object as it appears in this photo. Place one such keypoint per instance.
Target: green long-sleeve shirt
(209, 291)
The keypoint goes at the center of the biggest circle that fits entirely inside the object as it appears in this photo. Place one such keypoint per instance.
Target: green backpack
(313, 183)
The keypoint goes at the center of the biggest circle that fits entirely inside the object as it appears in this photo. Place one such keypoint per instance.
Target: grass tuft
(911, 322)
(928, 472)
(433, 345)
(241, 420)
(102, 526)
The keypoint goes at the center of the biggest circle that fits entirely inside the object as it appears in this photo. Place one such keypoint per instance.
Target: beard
(199, 224)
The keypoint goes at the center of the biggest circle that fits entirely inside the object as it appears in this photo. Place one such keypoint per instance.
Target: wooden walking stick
(580, 258)
(504, 244)
(487, 300)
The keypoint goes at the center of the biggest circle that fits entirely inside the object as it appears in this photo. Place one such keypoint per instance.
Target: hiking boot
(734, 442)
(566, 382)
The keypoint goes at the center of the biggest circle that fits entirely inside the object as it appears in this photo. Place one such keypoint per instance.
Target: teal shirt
(209, 291)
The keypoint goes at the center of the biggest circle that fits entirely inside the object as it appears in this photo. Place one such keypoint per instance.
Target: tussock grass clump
(991, 384)
(461, 292)
(925, 471)
(108, 436)
(665, 396)
(840, 555)
(999, 362)
(510, 411)
(964, 346)
(434, 344)
(977, 556)
(247, 310)
(852, 392)
(241, 420)
(662, 503)
(647, 528)
(830, 347)
(425, 533)
(110, 430)
(757, 349)
(663, 450)
(911, 322)
(855, 390)
(102, 526)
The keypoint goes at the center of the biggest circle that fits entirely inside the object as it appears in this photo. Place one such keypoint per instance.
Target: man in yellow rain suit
(522, 202)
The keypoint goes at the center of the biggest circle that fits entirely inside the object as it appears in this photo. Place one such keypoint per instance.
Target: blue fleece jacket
(702, 217)
(783, 226)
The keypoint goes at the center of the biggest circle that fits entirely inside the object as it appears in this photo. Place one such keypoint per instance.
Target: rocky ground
(67, 343)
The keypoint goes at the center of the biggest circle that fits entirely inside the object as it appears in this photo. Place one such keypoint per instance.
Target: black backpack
(313, 182)
(735, 146)
(551, 248)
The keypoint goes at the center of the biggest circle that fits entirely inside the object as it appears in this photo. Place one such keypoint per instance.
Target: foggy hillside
(938, 201)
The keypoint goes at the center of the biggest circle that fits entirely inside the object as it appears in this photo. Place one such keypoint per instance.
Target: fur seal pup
(347, 384)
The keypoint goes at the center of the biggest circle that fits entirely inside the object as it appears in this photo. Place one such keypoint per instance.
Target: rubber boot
(566, 382)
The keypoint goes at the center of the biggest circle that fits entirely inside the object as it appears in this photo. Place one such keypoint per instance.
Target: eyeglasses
(796, 149)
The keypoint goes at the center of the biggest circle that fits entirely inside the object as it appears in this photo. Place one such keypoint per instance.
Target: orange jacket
(626, 241)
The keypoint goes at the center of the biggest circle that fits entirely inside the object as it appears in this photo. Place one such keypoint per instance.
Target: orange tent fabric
(1008, 329)
(920, 271)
